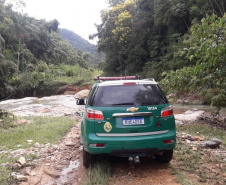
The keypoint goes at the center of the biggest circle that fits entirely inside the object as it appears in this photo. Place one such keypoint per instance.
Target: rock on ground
(213, 143)
(189, 115)
(82, 94)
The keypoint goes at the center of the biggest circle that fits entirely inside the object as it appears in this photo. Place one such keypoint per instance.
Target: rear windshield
(127, 95)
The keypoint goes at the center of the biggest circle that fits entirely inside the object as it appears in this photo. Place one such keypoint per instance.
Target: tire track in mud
(62, 165)
(147, 172)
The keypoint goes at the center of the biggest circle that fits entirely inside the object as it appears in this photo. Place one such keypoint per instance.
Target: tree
(207, 49)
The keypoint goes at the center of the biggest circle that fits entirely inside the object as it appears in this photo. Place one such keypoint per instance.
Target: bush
(207, 47)
(6, 119)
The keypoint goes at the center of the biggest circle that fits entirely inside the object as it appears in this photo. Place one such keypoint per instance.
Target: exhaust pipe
(134, 159)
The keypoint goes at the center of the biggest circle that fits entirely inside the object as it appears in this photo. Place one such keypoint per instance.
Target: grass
(183, 179)
(4, 176)
(99, 174)
(204, 129)
(74, 75)
(6, 120)
(201, 165)
(40, 129)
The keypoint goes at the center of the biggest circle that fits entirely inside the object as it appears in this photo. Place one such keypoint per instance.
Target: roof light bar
(130, 83)
(117, 78)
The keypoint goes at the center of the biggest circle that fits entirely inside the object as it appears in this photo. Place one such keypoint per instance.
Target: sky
(78, 16)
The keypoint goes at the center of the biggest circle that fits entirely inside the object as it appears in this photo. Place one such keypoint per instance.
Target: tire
(81, 142)
(88, 159)
(165, 157)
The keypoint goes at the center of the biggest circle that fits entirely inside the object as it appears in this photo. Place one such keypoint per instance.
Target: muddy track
(147, 172)
(62, 165)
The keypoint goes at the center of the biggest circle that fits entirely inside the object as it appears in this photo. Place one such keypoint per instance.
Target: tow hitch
(134, 159)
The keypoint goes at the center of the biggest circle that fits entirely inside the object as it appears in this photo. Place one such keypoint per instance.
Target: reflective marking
(132, 134)
(128, 115)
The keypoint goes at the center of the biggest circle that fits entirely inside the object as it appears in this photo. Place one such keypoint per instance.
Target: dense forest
(34, 59)
(181, 43)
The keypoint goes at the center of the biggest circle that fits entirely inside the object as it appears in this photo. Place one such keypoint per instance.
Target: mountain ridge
(77, 41)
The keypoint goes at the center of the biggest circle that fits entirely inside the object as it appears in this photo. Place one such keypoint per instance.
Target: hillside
(35, 60)
(77, 41)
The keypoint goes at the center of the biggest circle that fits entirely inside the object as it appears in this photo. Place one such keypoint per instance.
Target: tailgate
(120, 120)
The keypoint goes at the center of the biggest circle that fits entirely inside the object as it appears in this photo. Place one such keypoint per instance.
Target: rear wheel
(165, 157)
(88, 159)
(81, 143)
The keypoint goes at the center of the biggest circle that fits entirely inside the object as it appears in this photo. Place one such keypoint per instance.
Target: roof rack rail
(150, 79)
(117, 78)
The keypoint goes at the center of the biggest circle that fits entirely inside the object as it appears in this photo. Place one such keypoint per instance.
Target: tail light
(167, 111)
(94, 114)
(98, 145)
(168, 141)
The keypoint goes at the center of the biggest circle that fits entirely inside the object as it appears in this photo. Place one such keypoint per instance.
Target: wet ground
(59, 105)
(62, 164)
(178, 108)
(147, 172)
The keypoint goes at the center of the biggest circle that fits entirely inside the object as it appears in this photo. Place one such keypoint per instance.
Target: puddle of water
(73, 165)
(65, 173)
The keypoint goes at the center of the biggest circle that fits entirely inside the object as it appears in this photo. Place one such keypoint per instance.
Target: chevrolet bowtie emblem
(133, 109)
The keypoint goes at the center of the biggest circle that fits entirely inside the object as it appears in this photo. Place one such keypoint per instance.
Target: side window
(91, 95)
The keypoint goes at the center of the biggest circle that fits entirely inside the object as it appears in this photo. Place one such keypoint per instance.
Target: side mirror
(81, 102)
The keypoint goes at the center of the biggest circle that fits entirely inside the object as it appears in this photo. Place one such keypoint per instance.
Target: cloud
(76, 15)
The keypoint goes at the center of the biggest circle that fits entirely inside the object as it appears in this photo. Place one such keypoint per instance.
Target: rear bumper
(125, 145)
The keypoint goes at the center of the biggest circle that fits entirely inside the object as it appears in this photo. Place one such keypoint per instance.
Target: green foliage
(77, 41)
(145, 36)
(99, 174)
(179, 80)
(41, 67)
(6, 119)
(206, 47)
(48, 79)
(205, 130)
(193, 160)
(40, 129)
(3, 176)
(28, 47)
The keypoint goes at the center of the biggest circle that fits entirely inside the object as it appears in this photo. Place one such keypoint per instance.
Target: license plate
(133, 121)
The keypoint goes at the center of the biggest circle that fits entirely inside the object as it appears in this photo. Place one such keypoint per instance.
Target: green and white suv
(127, 117)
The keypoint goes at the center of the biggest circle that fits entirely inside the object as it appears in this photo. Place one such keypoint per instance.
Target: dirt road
(62, 165)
